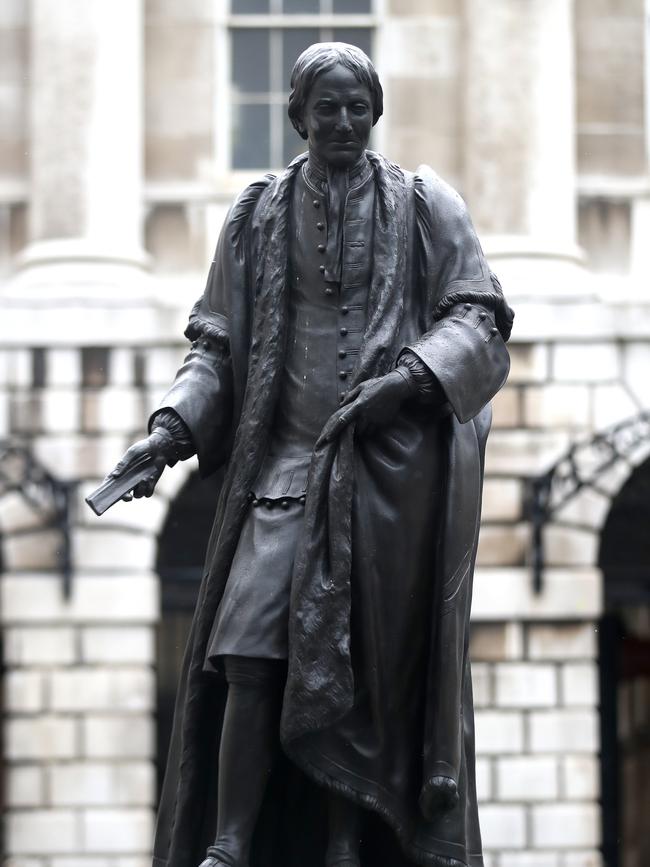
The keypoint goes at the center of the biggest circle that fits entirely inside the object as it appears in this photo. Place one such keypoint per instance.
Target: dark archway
(625, 673)
(181, 552)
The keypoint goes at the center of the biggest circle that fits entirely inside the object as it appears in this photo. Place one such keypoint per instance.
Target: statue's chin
(343, 158)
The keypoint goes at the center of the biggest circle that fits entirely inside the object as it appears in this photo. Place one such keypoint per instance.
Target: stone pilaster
(85, 151)
(519, 142)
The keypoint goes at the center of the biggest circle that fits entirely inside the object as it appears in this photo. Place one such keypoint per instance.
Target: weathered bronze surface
(344, 353)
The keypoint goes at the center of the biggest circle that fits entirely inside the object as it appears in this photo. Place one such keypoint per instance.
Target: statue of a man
(344, 353)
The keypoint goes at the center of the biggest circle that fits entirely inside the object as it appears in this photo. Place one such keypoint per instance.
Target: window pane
(292, 143)
(249, 7)
(293, 7)
(250, 60)
(359, 36)
(250, 136)
(294, 42)
(351, 6)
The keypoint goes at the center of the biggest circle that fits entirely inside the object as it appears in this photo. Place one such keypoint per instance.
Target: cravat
(337, 188)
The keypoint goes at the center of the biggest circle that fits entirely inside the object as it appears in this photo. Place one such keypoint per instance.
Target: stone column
(85, 147)
(519, 143)
(79, 684)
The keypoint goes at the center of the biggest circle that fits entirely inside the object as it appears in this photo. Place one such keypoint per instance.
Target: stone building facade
(125, 129)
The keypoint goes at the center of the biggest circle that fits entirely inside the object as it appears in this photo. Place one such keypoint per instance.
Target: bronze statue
(344, 353)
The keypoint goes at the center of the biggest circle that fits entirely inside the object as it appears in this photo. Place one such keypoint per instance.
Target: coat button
(343, 374)
(285, 504)
(494, 330)
(343, 332)
(482, 316)
(342, 353)
(321, 268)
(255, 503)
(316, 203)
(320, 226)
(269, 504)
(329, 291)
(303, 500)
(468, 306)
(321, 248)
(344, 310)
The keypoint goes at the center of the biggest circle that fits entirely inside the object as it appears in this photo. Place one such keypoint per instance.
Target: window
(266, 38)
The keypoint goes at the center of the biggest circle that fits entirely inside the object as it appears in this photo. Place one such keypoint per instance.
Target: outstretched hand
(371, 404)
(153, 446)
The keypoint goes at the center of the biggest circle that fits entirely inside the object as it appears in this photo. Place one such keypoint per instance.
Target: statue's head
(335, 100)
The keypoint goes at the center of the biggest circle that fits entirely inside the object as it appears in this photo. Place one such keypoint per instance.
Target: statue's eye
(360, 108)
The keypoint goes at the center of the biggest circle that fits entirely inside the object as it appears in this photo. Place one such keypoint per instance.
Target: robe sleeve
(201, 396)
(202, 392)
(470, 321)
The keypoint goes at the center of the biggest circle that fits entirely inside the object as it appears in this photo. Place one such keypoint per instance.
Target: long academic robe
(378, 703)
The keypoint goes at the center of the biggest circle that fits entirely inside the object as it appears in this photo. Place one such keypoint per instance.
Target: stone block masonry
(537, 741)
(79, 683)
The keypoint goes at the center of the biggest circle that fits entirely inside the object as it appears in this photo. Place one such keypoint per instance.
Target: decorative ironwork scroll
(581, 467)
(48, 497)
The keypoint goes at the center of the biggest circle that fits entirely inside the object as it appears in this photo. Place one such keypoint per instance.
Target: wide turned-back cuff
(468, 357)
(201, 397)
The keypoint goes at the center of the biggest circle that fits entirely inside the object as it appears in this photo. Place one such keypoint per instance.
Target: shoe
(214, 858)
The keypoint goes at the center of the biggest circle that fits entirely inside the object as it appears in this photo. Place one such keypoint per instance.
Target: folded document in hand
(113, 488)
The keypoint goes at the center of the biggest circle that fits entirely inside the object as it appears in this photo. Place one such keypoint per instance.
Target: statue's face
(338, 117)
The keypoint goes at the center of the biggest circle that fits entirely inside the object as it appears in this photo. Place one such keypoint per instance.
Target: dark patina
(344, 353)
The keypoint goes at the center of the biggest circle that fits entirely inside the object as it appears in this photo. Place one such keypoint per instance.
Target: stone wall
(535, 690)
(79, 680)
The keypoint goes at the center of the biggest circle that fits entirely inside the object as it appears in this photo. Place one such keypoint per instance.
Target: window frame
(224, 104)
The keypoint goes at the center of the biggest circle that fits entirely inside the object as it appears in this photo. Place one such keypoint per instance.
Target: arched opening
(181, 552)
(625, 674)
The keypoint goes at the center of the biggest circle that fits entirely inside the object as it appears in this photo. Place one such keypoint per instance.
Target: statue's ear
(300, 127)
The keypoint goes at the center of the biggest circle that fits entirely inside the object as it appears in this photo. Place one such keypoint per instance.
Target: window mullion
(275, 88)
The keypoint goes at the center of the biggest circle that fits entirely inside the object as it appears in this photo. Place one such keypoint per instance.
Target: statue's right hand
(153, 446)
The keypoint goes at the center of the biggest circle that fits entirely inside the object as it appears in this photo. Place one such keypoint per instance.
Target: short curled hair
(321, 57)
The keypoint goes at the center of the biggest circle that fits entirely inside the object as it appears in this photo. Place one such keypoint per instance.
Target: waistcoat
(327, 320)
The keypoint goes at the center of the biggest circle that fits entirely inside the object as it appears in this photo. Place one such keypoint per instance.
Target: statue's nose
(343, 122)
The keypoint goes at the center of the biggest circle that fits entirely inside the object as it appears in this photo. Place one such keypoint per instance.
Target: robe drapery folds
(378, 701)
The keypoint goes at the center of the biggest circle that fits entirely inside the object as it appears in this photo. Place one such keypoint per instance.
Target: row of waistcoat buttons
(321, 247)
(342, 352)
(343, 331)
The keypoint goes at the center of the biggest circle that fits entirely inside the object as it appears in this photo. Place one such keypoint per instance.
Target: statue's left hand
(371, 404)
